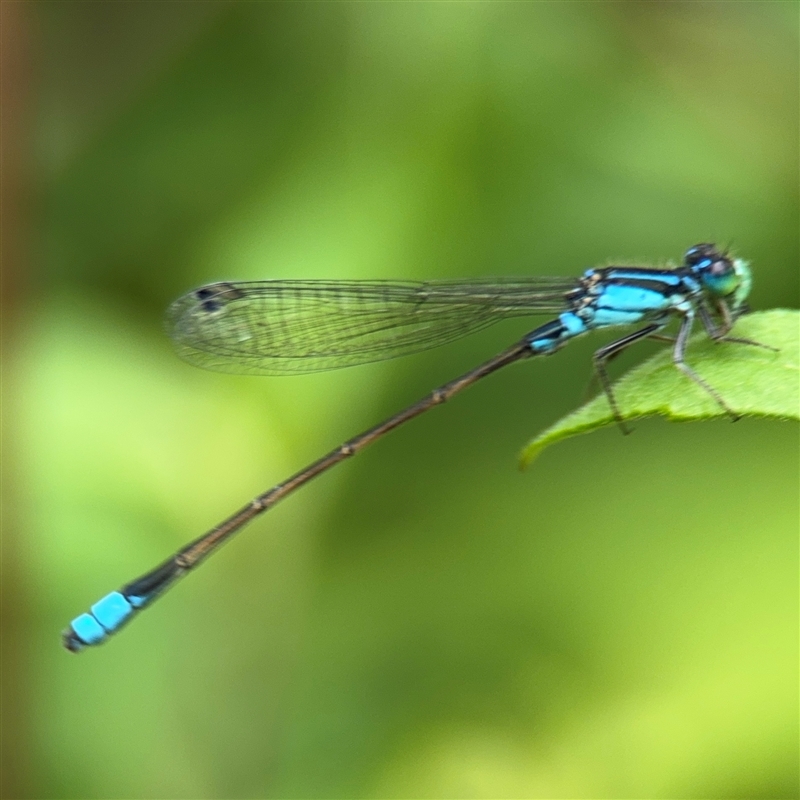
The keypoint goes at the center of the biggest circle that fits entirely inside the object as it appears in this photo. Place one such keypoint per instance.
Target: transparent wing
(289, 327)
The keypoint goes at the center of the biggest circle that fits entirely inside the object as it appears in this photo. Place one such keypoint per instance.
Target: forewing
(290, 327)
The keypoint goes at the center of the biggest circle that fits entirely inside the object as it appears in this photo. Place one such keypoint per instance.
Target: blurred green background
(620, 621)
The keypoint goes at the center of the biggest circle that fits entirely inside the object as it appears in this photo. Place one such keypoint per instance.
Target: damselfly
(289, 327)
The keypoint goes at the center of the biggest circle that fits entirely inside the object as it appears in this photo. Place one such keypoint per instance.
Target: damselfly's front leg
(719, 333)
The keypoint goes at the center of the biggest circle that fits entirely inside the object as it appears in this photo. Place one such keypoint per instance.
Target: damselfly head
(720, 275)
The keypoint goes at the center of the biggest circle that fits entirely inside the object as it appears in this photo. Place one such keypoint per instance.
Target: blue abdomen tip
(107, 615)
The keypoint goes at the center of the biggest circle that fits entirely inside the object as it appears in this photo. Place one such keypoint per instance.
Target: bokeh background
(619, 621)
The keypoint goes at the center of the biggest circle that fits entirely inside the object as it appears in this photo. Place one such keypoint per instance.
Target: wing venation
(290, 327)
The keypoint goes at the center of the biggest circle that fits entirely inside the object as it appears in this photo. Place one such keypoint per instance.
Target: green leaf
(753, 380)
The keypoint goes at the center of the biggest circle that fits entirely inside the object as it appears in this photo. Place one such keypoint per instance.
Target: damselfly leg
(608, 353)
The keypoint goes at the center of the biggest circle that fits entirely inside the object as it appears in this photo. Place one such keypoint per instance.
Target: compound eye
(721, 267)
(701, 255)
